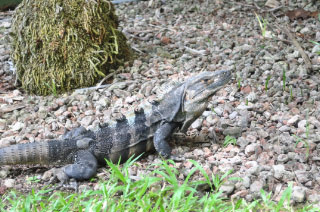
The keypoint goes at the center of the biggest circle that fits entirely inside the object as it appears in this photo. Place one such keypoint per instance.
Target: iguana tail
(46, 152)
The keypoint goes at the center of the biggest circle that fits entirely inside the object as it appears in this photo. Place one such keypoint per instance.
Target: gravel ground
(277, 129)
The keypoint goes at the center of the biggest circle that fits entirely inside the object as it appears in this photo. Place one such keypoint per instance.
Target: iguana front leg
(160, 139)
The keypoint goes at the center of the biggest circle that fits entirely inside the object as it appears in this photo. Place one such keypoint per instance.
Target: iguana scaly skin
(136, 132)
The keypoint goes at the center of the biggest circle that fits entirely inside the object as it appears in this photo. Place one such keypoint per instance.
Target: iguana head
(198, 90)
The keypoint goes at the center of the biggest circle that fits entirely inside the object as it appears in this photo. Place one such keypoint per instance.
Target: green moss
(62, 45)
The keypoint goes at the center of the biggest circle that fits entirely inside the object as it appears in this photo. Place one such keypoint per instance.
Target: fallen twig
(297, 45)
(99, 85)
(137, 50)
(107, 77)
(123, 1)
(194, 51)
(11, 108)
(259, 8)
(92, 88)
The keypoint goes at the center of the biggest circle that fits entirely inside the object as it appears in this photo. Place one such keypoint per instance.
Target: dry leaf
(10, 108)
(301, 13)
(165, 40)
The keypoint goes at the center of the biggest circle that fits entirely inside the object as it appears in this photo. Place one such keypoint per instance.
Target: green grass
(239, 82)
(316, 43)
(52, 88)
(158, 191)
(229, 140)
(263, 24)
(267, 83)
(284, 78)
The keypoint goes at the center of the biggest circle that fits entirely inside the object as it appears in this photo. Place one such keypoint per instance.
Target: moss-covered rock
(61, 45)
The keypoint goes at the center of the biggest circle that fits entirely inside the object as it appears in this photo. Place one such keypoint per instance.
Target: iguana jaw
(197, 94)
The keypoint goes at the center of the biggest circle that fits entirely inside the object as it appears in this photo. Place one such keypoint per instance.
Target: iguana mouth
(211, 81)
(197, 92)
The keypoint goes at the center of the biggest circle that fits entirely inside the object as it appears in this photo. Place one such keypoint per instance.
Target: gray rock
(7, 141)
(252, 97)
(284, 128)
(291, 155)
(246, 47)
(3, 124)
(88, 112)
(17, 126)
(197, 123)
(262, 133)
(207, 113)
(242, 142)
(267, 114)
(256, 186)
(103, 102)
(233, 115)
(293, 120)
(279, 171)
(315, 49)
(294, 55)
(298, 194)
(227, 188)
(244, 117)
(218, 111)
(198, 152)
(302, 124)
(236, 160)
(265, 67)
(233, 131)
(314, 121)
(86, 121)
(282, 158)
(303, 176)
(254, 169)
(246, 181)
(317, 36)
(314, 198)
(211, 120)
(130, 99)
(4, 172)
(305, 30)
(251, 149)
(121, 93)
(9, 183)
(243, 106)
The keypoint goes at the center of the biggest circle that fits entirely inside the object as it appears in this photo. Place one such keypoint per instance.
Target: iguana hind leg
(84, 167)
(74, 133)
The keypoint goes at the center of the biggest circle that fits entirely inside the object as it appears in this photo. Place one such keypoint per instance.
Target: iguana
(136, 132)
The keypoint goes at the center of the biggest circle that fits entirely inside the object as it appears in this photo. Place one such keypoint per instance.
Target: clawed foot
(179, 135)
(57, 175)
